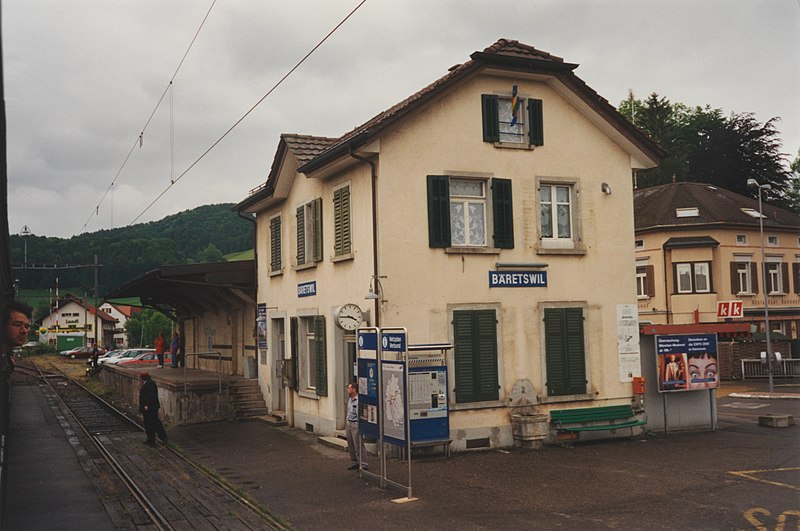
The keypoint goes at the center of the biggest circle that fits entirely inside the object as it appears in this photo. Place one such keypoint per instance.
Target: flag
(514, 106)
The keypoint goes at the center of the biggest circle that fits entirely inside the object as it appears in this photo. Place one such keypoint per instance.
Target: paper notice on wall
(630, 363)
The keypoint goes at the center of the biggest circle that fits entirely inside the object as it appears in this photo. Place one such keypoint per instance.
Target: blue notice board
(368, 403)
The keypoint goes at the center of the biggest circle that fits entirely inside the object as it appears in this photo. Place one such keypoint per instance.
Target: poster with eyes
(687, 362)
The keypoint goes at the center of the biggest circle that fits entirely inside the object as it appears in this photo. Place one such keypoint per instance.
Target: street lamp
(752, 183)
(25, 233)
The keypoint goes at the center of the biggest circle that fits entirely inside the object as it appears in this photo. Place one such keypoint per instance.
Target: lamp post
(752, 183)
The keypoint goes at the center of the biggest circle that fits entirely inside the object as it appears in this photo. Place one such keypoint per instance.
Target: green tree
(703, 145)
(210, 254)
(143, 327)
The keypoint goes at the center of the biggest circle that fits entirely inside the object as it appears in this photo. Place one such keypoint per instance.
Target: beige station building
(698, 245)
(492, 210)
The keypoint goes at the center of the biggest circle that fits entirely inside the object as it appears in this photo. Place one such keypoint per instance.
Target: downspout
(666, 281)
(374, 177)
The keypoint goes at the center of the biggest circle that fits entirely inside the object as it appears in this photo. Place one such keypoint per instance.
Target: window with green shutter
(341, 221)
(564, 351)
(309, 232)
(504, 124)
(475, 354)
(457, 212)
(275, 259)
(320, 356)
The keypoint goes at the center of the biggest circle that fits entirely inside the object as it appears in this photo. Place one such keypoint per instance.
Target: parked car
(145, 359)
(125, 355)
(109, 354)
(69, 352)
(84, 352)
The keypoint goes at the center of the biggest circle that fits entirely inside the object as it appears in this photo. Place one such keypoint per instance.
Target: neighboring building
(121, 313)
(502, 229)
(71, 322)
(697, 245)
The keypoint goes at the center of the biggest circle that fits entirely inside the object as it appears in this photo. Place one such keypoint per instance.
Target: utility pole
(97, 331)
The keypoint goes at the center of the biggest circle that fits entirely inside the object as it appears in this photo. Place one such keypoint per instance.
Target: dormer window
(753, 213)
(690, 212)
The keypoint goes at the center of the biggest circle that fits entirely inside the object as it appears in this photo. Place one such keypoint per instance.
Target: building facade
(491, 210)
(71, 322)
(121, 313)
(698, 245)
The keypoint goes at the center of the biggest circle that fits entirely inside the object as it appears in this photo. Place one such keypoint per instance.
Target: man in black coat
(148, 407)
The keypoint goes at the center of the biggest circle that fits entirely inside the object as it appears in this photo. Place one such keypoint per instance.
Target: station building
(492, 209)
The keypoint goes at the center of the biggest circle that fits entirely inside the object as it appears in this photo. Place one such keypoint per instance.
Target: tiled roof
(306, 147)
(656, 208)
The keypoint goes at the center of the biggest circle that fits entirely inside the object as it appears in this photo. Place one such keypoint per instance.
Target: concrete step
(251, 412)
(333, 442)
(273, 420)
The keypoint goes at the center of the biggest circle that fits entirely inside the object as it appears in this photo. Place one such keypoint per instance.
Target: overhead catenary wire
(174, 181)
(140, 136)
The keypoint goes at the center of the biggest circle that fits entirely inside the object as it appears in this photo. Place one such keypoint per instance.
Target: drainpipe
(666, 282)
(374, 176)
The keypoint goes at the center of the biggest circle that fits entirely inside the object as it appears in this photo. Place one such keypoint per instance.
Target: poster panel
(394, 402)
(687, 362)
(261, 324)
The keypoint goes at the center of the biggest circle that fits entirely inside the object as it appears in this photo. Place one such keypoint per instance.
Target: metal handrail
(205, 355)
(756, 368)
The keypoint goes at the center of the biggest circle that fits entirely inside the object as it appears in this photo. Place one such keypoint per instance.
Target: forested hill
(202, 234)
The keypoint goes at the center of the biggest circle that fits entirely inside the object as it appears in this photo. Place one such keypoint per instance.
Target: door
(278, 365)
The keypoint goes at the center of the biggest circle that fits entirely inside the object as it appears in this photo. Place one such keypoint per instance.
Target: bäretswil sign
(517, 279)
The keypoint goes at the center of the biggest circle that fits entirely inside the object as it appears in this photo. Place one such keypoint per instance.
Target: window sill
(308, 394)
(513, 145)
(277, 273)
(342, 258)
(578, 250)
(466, 406)
(565, 398)
(643, 297)
(745, 294)
(312, 265)
(472, 250)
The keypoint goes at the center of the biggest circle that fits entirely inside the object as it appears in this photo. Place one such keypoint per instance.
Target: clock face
(349, 317)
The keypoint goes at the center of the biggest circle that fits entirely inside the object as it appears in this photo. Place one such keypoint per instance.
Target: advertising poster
(687, 362)
(394, 401)
(261, 324)
(368, 398)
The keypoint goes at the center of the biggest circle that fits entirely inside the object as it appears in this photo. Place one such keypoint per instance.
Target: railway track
(158, 489)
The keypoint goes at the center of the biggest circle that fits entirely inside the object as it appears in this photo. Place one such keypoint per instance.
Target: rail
(786, 368)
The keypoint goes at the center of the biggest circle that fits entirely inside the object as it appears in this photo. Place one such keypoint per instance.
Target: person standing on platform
(148, 407)
(175, 350)
(354, 446)
(161, 346)
(17, 322)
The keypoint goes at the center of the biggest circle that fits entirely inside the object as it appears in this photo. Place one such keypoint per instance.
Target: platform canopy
(192, 288)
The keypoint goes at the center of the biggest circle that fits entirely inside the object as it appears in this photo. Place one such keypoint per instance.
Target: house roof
(66, 299)
(507, 55)
(303, 147)
(656, 208)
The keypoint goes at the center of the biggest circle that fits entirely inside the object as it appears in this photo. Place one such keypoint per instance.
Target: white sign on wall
(630, 363)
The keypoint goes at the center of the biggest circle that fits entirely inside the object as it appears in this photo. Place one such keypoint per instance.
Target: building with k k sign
(475, 213)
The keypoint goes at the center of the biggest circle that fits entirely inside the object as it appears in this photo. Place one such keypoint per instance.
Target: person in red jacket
(161, 346)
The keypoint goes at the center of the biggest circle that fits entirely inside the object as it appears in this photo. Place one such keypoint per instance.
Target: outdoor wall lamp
(375, 289)
(605, 188)
(752, 183)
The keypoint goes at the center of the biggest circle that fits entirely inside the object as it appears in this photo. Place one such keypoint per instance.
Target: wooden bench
(596, 418)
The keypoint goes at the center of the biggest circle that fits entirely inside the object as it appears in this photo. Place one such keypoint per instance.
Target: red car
(85, 352)
(145, 359)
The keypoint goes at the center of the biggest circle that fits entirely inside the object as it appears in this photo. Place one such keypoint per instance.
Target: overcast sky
(83, 77)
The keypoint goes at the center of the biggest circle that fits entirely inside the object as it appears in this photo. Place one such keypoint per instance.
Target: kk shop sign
(729, 309)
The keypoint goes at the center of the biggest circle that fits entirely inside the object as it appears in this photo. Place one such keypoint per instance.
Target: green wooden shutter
(566, 370)
(275, 244)
(301, 235)
(490, 107)
(316, 215)
(536, 122)
(293, 339)
(341, 221)
(475, 334)
(320, 356)
(503, 214)
(438, 211)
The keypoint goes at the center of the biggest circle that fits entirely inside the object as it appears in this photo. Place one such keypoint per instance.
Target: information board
(687, 362)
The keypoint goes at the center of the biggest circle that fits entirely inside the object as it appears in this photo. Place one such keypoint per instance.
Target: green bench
(596, 418)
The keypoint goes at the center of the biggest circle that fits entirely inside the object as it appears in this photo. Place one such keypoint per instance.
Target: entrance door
(278, 365)
(348, 374)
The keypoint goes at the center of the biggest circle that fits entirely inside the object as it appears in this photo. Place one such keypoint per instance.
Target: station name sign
(307, 289)
(517, 279)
